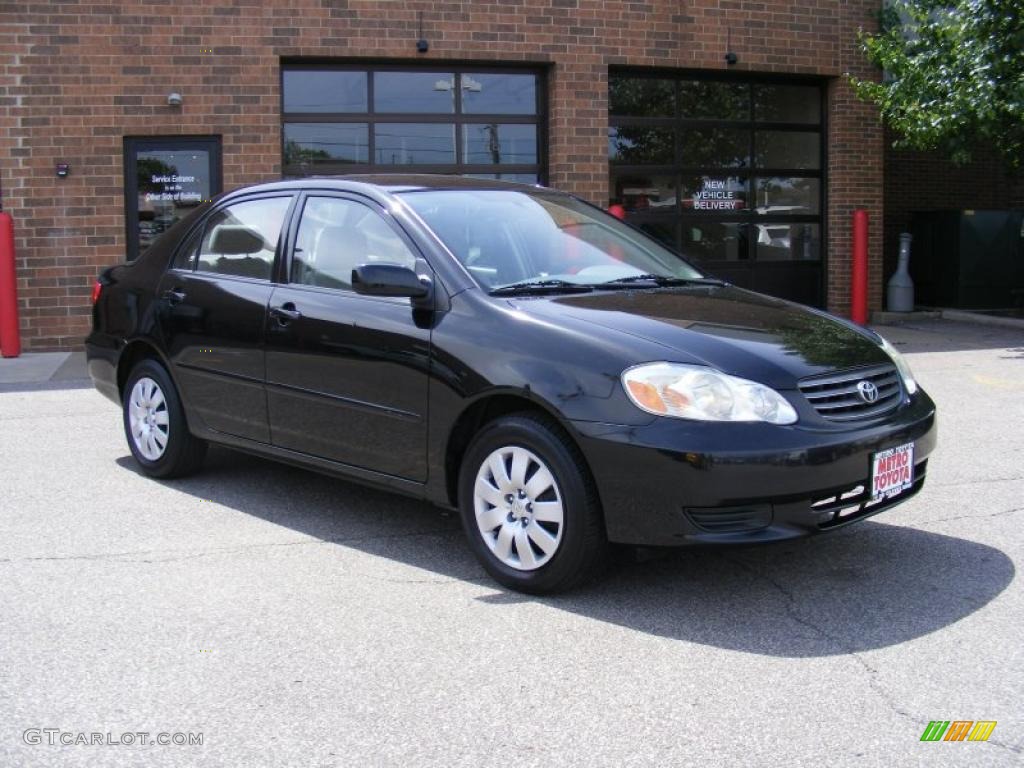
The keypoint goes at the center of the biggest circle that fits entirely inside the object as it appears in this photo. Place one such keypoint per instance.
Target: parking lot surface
(294, 619)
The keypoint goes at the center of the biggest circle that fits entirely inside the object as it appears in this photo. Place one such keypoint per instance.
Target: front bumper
(675, 482)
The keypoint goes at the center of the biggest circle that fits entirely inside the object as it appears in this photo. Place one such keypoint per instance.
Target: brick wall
(928, 181)
(855, 144)
(76, 77)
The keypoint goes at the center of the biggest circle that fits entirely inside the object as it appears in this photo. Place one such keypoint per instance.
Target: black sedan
(561, 379)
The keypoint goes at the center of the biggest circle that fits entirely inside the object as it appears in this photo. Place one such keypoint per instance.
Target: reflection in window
(376, 117)
(662, 229)
(519, 178)
(641, 145)
(186, 256)
(170, 183)
(788, 149)
(494, 94)
(645, 192)
(787, 242)
(715, 147)
(414, 143)
(787, 103)
(241, 239)
(715, 241)
(307, 90)
(311, 143)
(641, 97)
(414, 92)
(788, 196)
(499, 144)
(714, 193)
(714, 100)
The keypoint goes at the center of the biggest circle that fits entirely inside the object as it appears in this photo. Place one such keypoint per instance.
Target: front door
(347, 375)
(213, 305)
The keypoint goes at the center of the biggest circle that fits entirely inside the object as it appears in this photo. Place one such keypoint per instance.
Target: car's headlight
(901, 365)
(698, 392)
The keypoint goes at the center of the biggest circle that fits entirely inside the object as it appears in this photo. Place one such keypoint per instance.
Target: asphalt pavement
(290, 619)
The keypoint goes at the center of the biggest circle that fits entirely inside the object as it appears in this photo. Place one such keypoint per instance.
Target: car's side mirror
(389, 280)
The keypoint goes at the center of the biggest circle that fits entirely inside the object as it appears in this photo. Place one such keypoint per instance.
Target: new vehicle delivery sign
(892, 471)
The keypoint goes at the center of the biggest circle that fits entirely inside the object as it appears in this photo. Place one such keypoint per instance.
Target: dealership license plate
(892, 471)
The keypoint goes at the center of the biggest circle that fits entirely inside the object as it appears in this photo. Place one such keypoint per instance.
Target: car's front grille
(836, 397)
(844, 505)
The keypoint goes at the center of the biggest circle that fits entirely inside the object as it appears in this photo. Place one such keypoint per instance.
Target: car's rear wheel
(529, 506)
(155, 426)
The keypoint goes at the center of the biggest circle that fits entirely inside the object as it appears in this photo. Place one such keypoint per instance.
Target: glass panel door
(728, 170)
(165, 178)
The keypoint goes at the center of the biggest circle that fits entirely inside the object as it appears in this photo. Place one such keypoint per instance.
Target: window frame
(457, 117)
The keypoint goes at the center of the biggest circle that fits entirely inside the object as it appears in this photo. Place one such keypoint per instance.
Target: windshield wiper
(660, 280)
(535, 286)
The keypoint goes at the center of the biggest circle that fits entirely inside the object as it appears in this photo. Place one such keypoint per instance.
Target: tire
(531, 535)
(155, 426)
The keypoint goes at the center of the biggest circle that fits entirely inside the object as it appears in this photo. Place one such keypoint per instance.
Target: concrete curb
(983, 319)
(955, 315)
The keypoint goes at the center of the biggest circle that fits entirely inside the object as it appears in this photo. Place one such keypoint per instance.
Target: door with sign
(165, 178)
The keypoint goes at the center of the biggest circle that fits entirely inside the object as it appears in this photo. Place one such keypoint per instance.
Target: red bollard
(10, 338)
(859, 276)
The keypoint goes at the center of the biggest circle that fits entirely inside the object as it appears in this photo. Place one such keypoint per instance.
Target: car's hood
(731, 329)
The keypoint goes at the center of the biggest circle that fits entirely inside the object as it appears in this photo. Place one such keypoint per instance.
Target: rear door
(213, 304)
(347, 375)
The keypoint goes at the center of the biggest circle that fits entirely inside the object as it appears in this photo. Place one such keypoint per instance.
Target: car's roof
(408, 182)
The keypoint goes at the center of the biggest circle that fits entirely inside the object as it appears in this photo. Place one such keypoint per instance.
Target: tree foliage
(954, 75)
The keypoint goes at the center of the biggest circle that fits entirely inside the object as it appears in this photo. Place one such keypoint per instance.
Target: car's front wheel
(154, 423)
(529, 506)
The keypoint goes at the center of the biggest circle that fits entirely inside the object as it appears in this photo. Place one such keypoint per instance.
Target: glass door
(729, 171)
(165, 178)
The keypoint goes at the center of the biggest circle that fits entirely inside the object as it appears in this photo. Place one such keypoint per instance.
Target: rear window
(241, 240)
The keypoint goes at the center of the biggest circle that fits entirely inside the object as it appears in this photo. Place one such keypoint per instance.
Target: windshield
(508, 237)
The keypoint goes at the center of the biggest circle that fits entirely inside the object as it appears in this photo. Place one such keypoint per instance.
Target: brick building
(751, 167)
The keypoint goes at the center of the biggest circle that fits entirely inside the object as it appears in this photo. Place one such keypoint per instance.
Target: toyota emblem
(867, 390)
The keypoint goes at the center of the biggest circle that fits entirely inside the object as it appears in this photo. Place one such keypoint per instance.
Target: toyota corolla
(559, 378)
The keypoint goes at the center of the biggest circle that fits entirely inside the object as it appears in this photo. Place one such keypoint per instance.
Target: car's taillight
(97, 289)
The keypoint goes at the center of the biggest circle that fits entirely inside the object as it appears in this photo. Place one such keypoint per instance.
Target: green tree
(297, 154)
(954, 75)
(147, 168)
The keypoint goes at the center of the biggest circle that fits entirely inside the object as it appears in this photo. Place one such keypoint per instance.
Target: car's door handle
(173, 296)
(285, 313)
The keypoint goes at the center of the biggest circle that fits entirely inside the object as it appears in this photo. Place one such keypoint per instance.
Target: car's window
(186, 255)
(242, 238)
(505, 237)
(336, 236)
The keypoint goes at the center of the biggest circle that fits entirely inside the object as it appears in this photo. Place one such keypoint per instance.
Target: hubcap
(518, 508)
(148, 418)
